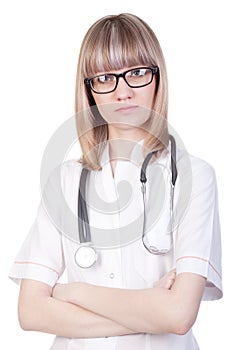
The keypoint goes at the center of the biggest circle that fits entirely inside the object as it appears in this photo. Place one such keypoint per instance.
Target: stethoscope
(86, 255)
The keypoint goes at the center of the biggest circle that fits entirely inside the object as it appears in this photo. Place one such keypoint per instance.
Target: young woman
(139, 257)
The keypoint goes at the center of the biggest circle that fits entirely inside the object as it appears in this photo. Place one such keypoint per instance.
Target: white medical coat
(115, 209)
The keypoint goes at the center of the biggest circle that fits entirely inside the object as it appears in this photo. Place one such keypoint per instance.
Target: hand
(167, 280)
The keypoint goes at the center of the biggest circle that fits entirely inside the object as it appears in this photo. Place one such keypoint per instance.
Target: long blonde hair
(111, 43)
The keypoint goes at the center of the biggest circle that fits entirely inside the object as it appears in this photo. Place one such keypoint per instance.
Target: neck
(134, 134)
(122, 142)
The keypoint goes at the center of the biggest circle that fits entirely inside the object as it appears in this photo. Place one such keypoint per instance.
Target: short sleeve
(41, 255)
(198, 241)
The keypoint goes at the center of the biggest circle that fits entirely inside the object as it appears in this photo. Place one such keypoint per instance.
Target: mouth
(126, 109)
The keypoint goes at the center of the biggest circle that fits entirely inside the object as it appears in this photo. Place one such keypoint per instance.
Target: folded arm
(39, 311)
(154, 310)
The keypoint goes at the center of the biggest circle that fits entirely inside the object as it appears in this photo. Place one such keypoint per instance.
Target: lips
(126, 108)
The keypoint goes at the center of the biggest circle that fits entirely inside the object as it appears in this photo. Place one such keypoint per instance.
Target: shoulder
(71, 167)
(196, 176)
(63, 174)
(196, 166)
(70, 172)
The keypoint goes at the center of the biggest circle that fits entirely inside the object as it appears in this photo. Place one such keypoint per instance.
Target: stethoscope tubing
(83, 220)
(89, 257)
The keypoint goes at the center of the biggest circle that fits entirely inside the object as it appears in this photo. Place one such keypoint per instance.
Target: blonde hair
(111, 43)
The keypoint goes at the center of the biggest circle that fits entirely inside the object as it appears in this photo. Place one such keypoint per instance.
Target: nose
(123, 90)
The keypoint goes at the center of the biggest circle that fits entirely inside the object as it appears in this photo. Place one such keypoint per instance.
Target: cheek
(99, 99)
(103, 105)
(146, 97)
(105, 110)
(149, 96)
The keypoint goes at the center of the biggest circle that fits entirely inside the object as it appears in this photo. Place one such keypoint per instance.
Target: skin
(155, 310)
(82, 310)
(41, 308)
(127, 112)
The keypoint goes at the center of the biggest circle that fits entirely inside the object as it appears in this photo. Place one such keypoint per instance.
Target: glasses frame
(88, 81)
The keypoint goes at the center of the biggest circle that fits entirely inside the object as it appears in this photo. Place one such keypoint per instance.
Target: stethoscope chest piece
(85, 256)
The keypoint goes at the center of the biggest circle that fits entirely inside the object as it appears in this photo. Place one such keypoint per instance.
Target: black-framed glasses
(135, 78)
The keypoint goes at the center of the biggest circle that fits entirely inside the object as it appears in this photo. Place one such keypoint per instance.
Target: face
(126, 108)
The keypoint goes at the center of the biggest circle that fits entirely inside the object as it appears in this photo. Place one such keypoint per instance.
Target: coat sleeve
(198, 239)
(41, 255)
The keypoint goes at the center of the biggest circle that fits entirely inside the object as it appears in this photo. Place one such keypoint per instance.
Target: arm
(38, 311)
(155, 310)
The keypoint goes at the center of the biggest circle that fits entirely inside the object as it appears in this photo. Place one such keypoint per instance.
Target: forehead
(116, 62)
(121, 70)
(117, 48)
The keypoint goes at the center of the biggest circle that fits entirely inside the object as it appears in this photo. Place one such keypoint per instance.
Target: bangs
(118, 45)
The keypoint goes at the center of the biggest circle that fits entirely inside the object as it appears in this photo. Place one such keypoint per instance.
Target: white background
(40, 42)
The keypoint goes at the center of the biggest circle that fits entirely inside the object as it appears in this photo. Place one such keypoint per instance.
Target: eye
(138, 72)
(105, 78)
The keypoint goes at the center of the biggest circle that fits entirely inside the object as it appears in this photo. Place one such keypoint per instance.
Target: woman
(144, 289)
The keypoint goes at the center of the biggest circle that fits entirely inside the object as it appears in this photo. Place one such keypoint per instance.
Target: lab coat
(116, 215)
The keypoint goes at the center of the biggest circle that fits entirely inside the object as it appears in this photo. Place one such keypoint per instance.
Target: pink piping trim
(30, 262)
(197, 257)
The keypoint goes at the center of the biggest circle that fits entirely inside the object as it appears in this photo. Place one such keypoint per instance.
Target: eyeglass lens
(137, 77)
